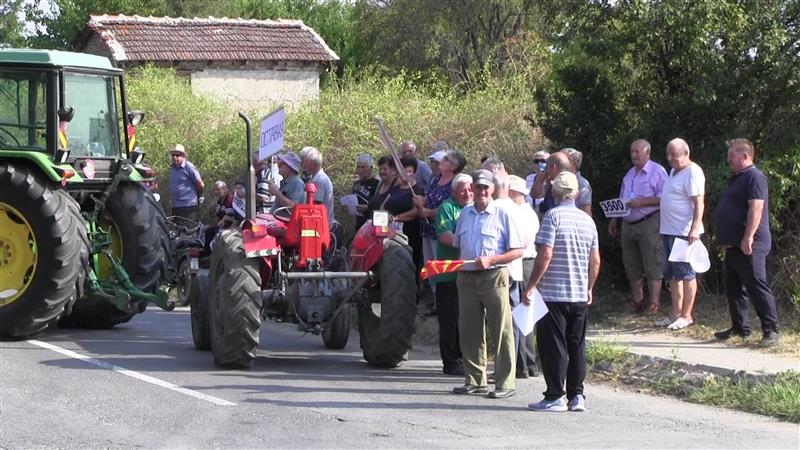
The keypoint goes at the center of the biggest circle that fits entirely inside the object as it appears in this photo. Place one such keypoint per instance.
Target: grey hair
(439, 145)
(312, 154)
(365, 158)
(220, 184)
(680, 143)
(643, 143)
(575, 157)
(409, 144)
(493, 164)
(458, 179)
(501, 180)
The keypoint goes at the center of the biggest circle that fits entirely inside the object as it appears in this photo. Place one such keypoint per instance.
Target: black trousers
(561, 339)
(746, 277)
(189, 212)
(447, 306)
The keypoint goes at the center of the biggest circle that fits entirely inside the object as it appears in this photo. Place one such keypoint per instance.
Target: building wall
(258, 87)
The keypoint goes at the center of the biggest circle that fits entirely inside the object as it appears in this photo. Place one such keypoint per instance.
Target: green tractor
(82, 242)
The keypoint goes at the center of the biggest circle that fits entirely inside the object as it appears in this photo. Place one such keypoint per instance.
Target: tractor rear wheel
(235, 303)
(43, 251)
(386, 337)
(198, 304)
(337, 331)
(140, 239)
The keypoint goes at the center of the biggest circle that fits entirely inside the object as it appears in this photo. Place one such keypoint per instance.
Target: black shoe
(470, 389)
(521, 375)
(770, 339)
(533, 372)
(502, 393)
(727, 334)
(453, 369)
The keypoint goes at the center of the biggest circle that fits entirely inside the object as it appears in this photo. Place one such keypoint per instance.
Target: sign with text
(270, 139)
(615, 208)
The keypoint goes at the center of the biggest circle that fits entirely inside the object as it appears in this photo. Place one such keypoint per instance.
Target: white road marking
(132, 373)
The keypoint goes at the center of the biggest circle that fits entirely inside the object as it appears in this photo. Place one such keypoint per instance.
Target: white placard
(270, 139)
(525, 316)
(616, 207)
(239, 205)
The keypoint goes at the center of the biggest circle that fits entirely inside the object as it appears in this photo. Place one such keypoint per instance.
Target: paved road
(145, 386)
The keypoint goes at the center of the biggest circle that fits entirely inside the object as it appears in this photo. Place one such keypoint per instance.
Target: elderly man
(681, 218)
(446, 289)
(185, 184)
(571, 163)
(556, 163)
(365, 186)
(743, 230)
(641, 243)
(311, 160)
(291, 190)
(488, 235)
(424, 172)
(529, 221)
(565, 270)
(539, 166)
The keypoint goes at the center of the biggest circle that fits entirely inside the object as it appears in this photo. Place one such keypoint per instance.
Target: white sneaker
(577, 404)
(663, 322)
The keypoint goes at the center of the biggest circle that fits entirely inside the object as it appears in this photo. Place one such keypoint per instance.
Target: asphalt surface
(143, 385)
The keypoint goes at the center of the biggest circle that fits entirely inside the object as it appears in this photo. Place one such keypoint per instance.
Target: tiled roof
(134, 38)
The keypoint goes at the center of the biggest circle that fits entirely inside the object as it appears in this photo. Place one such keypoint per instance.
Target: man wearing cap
(743, 230)
(291, 190)
(682, 206)
(565, 270)
(435, 158)
(424, 172)
(529, 221)
(641, 244)
(488, 235)
(185, 184)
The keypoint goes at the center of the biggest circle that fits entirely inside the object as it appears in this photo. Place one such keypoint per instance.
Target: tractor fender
(367, 247)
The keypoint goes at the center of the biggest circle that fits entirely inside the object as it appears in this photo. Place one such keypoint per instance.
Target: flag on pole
(441, 266)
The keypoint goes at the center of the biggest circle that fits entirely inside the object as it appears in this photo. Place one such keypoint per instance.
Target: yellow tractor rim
(18, 254)
(106, 269)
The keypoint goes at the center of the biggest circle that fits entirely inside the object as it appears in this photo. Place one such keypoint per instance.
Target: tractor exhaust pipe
(250, 182)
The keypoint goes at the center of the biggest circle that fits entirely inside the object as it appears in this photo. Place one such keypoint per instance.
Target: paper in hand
(526, 316)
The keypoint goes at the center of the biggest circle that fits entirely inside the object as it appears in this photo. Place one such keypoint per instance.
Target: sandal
(652, 308)
(663, 322)
(680, 323)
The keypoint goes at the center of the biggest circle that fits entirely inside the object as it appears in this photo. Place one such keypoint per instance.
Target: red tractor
(286, 269)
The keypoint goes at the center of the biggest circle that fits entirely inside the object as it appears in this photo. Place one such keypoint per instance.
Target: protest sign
(270, 139)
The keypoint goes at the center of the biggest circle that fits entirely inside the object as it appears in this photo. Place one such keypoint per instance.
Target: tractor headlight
(380, 218)
(137, 156)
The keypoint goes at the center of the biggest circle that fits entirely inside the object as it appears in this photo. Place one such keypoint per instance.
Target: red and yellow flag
(441, 266)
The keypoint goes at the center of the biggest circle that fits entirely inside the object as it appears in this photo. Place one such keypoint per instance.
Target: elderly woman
(439, 190)
(365, 186)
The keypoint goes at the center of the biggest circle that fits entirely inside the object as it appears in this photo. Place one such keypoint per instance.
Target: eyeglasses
(539, 161)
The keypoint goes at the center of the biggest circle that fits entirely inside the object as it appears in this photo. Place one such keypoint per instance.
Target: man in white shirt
(529, 226)
(681, 218)
(312, 163)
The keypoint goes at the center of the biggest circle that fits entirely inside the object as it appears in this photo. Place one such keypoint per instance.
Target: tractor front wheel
(198, 304)
(235, 303)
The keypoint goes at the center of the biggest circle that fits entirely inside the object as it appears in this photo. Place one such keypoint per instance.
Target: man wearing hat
(185, 184)
(565, 270)
(488, 235)
(435, 158)
(291, 190)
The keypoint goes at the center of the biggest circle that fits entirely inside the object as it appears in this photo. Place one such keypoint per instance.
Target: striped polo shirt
(572, 235)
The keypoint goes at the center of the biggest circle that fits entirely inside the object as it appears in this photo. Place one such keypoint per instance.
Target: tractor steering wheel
(279, 214)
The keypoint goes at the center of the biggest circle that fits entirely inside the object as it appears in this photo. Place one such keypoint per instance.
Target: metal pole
(250, 182)
(326, 275)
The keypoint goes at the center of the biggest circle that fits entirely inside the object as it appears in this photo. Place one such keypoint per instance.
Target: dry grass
(611, 310)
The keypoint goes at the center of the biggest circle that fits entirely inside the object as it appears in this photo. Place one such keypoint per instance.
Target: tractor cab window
(23, 112)
(93, 130)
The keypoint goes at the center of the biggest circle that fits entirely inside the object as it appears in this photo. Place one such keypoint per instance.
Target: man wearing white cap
(185, 184)
(291, 190)
(565, 270)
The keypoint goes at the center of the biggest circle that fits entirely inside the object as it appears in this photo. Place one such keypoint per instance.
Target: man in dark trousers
(743, 230)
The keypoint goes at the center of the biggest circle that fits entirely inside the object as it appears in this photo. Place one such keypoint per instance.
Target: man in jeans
(565, 270)
(185, 184)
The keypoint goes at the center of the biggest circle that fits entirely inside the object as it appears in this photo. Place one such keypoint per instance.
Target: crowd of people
(523, 236)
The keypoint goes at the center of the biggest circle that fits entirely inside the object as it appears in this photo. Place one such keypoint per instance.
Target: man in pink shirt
(641, 243)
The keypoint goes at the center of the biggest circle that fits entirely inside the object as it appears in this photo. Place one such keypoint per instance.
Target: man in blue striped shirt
(565, 270)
